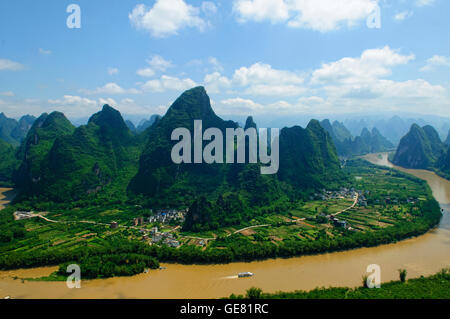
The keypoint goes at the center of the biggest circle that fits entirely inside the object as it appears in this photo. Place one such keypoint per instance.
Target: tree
(402, 273)
(254, 293)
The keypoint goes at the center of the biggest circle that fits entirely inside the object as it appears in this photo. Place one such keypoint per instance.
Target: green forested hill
(8, 163)
(95, 155)
(420, 148)
(307, 156)
(158, 176)
(35, 148)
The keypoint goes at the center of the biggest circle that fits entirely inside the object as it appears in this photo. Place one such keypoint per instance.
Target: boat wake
(230, 277)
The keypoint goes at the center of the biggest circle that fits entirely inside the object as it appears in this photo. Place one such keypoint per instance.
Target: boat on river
(245, 274)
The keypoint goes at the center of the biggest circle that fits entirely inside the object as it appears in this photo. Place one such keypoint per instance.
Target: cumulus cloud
(350, 84)
(73, 100)
(165, 83)
(159, 63)
(156, 63)
(8, 65)
(320, 15)
(362, 83)
(260, 10)
(146, 72)
(258, 79)
(435, 61)
(111, 88)
(215, 82)
(167, 17)
(238, 105)
(372, 64)
(7, 93)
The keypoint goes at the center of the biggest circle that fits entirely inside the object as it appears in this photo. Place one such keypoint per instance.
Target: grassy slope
(433, 287)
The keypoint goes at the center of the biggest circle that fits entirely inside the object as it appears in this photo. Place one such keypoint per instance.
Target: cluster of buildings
(339, 223)
(340, 194)
(24, 215)
(336, 221)
(164, 216)
(164, 238)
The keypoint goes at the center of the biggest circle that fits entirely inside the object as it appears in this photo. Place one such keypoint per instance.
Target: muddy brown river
(423, 255)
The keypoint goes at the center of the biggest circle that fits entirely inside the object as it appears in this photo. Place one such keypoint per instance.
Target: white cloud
(434, 62)
(209, 7)
(403, 15)
(239, 105)
(260, 73)
(9, 65)
(112, 71)
(372, 64)
(166, 17)
(320, 15)
(209, 65)
(258, 79)
(73, 100)
(111, 89)
(260, 10)
(156, 63)
(159, 63)
(215, 64)
(215, 82)
(244, 106)
(166, 83)
(109, 101)
(146, 72)
(423, 3)
(8, 93)
(44, 52)
(275, 90)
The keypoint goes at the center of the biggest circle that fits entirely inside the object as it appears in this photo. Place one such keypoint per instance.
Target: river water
(424, 255)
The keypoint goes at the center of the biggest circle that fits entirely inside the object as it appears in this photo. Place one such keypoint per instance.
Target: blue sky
(253, 56)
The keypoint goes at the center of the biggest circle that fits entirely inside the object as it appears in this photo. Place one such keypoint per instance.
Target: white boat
(245, 274)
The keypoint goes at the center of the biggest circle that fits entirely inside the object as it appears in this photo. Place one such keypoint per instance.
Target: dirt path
(347, 209)
(246, 228)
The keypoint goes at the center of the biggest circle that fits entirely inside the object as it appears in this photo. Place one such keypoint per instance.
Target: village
(162, 226)
(162, 217)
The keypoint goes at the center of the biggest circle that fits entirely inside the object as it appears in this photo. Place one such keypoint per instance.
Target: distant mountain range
(13, 131)
(347, 145)
(145, 124)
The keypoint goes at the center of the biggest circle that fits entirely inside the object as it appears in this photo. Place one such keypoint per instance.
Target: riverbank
(432, 287)
(6, 196)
